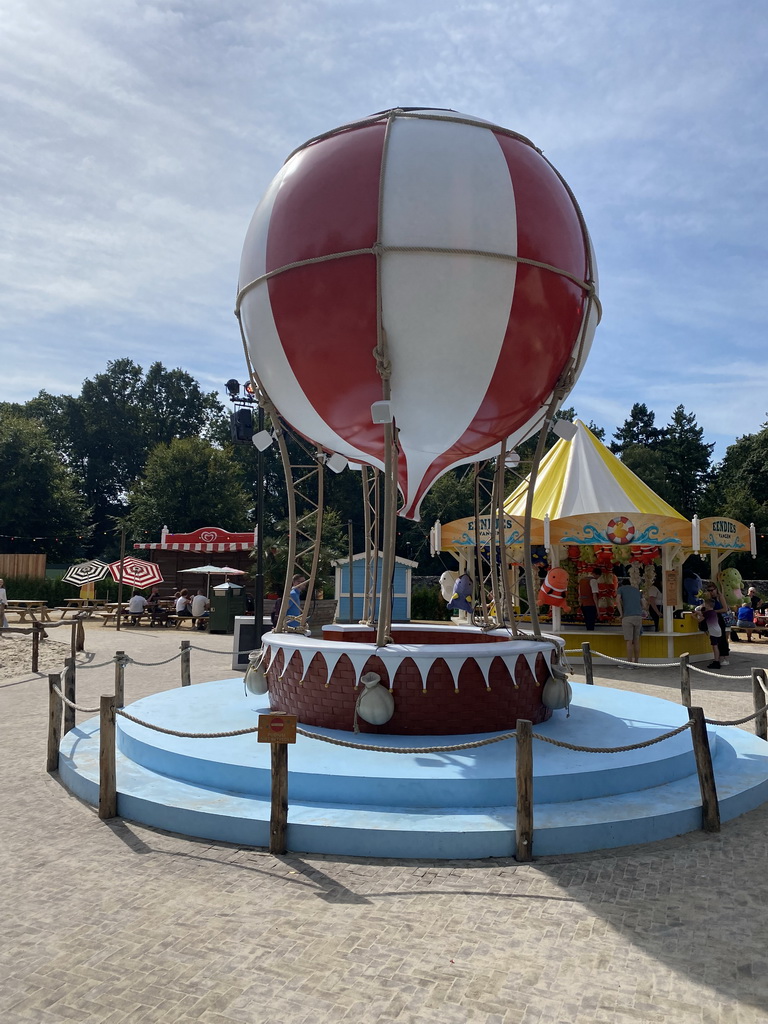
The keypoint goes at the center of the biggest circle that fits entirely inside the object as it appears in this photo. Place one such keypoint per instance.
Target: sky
(137, 138)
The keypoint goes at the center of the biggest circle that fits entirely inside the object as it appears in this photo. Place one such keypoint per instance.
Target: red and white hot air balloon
(448, 246)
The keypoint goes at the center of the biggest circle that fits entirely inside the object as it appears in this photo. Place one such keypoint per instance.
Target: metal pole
(120, 581)
(350, 552)
(258, 583)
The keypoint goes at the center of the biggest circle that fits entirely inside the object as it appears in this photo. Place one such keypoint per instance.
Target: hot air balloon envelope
(426, 258)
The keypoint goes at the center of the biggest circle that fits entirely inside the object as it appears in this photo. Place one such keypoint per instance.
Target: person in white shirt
(3, 605)
(200, 606)
(136, 606)
(182, 604)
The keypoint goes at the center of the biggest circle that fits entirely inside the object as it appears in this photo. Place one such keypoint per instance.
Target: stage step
(346, 818)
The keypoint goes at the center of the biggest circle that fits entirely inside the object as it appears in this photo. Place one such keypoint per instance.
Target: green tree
(739, 488)
(40, 508)
(185, 485)
(638, 429)
(106, 433)
(648, 464)
(687, 462)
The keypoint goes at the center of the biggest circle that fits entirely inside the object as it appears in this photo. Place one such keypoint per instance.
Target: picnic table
(75, 604)
(35, 609)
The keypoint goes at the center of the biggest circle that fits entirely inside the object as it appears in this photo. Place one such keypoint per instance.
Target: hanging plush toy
(692, 587)
(447, 583)
(553, 589)
(462, 594)
(731, 585)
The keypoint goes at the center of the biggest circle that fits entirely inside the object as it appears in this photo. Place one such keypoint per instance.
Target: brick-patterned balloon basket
(445, 680)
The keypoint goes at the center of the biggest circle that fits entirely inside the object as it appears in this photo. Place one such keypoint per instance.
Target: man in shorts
(630, 605)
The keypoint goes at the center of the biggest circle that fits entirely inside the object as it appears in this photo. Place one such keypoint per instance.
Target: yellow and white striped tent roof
(581, 477)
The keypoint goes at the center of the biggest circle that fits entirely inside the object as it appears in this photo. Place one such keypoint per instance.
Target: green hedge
(428, 603)
(55, 592)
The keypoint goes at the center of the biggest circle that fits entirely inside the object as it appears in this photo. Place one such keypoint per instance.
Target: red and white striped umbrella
(433, 254)
(136, 573)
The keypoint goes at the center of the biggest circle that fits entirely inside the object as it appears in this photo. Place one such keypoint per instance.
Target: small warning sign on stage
(277, 728)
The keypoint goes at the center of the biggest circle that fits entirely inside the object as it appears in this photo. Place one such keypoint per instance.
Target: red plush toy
(554, 588)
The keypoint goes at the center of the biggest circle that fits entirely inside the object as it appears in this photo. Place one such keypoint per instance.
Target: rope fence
(63, 705)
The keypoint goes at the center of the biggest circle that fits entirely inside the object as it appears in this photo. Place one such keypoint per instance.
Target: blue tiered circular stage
(445, 804)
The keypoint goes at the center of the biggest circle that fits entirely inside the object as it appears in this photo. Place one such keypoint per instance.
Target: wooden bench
(762, 631)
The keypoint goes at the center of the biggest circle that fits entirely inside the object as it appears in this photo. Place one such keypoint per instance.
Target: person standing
(752, 594)
(653, 597)
(293, 615)
(3, 605)
(588, 592)
(706, 613)
(630, 604)
(714, 594)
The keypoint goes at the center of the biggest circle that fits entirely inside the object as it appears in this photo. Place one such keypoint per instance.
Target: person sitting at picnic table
(745, 619)
(136, 607)
(200, 610)
(157, 613)
(183, 603)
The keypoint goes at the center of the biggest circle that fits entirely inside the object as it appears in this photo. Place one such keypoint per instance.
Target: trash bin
(227, 602)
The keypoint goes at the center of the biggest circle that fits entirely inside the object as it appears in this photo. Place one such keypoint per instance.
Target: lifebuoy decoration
(405, 255)
(620, 530)
(553, 589)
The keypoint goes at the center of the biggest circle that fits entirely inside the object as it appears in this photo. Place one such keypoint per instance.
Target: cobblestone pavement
(115, 922)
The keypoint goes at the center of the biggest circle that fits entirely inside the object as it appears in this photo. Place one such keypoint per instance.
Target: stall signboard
(463, 533)
(723, 534)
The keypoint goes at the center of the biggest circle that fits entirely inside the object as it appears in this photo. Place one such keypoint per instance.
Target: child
(706, 613)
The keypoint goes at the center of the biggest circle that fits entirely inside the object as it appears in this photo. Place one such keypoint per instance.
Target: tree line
(140, 449)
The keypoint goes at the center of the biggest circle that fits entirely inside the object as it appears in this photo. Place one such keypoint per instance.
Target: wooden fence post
(278, 819)
(120, 679)
(54, 723)
(80, 642)
(586, 653)
(524, 777)
(73, 640)
(107, 757)
(760, 699)
(36, 631)
(685, 679)
(186, 654)
(710, 809)
(69, 691)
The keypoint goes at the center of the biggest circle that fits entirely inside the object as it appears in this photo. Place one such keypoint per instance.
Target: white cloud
(137, 137)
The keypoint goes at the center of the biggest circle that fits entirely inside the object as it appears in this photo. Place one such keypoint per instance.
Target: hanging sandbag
(557, 692)
(376, 705)
(255, 677)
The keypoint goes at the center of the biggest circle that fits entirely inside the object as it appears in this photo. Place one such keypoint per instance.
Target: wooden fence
(22, 565)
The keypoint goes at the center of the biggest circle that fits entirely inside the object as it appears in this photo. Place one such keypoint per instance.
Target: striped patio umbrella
(86, 572)
(136, 573)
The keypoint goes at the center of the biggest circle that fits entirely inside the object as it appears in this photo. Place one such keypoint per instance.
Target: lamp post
(243, 433)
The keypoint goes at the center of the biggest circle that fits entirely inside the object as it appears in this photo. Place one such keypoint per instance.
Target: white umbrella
(214, 570)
